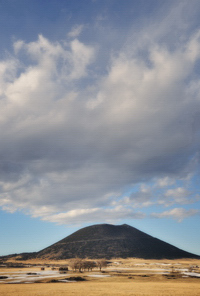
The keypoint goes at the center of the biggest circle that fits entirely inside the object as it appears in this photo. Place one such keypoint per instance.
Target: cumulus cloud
(73, 140)
(164, 182)
(177, 213)
(179, 194)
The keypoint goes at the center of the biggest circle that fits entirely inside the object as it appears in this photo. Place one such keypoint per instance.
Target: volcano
(111, 241)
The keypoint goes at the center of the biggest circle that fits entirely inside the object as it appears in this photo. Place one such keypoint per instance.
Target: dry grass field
(121, 277)
(100, 288)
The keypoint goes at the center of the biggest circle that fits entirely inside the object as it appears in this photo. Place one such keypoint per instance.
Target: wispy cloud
(177, 213)
(94, 214)
(76, 31)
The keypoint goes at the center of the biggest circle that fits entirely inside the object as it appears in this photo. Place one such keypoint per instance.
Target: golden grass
(100, 288)
(125, 262)
(130, 282)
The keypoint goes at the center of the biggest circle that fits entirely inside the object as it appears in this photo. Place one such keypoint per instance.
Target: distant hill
(108, 241)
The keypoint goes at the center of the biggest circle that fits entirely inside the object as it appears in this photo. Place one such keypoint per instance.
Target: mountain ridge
(108, 241)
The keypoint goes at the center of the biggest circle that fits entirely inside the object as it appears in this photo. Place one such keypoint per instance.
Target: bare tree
(101, 263)
(76, 264)
(80, 264)
(88, 264)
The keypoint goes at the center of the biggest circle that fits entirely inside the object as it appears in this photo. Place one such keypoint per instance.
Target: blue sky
(100, 119)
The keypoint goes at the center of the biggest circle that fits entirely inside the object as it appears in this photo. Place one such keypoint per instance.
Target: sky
(99, 119)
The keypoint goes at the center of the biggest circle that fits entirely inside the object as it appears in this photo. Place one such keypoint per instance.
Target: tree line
(84, 264)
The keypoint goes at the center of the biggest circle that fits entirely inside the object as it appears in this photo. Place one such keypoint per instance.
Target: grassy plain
(128, 277)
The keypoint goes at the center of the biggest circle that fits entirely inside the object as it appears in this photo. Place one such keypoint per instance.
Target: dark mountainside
(108, 241)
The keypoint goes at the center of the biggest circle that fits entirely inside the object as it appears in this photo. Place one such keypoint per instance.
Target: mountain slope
(107, 241)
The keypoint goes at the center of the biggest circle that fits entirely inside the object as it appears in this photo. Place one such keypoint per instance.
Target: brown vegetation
(121, 277)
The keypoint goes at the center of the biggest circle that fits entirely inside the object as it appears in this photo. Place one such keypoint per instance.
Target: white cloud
(177, 213)
(177, 192)
(97, 214)
(82, 56)
(164, 182)
(76, 31)
(74, 139)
